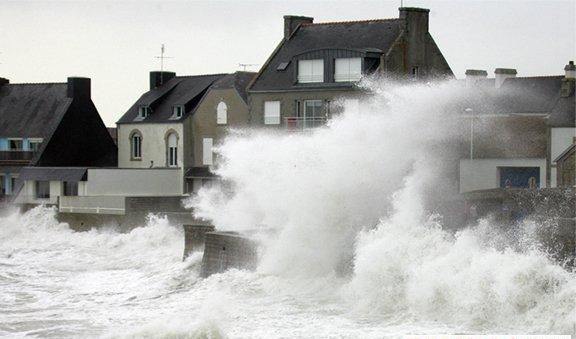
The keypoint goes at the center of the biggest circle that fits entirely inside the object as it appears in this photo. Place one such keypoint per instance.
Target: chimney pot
(501, 74)
(159, 78)
(291, 23)
(473, 76)
(79, 88)
(570, 70)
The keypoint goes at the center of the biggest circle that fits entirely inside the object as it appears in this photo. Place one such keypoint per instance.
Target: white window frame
(37, 141)
(310, 71)
(207, 151)
(172, 151)
(222, 113)
(36, 191)
(143, 111)
(178, 111)
(272, 112)
(136, 147)
(344, 72)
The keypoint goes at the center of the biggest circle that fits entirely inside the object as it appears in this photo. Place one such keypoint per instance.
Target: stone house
(49, 126)
(514, 129)
(316, 66)
(176, 124)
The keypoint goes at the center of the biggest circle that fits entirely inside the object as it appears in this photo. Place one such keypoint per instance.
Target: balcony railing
(298, 123)
(16, 157)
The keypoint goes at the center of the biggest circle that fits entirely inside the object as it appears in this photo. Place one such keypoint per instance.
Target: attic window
(178, 111)
(282, 66)
(310, 71)
(143, 111)
(348, 69)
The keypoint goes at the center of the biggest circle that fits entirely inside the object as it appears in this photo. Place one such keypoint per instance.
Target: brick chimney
(501, 74)
(4, 81)
(158, 78)
(291, 22)
(473, 76)
(78, 88)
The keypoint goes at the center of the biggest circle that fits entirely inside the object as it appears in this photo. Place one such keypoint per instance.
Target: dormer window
(178, 111)
(143, 111)
(310, 71)
(348, 69)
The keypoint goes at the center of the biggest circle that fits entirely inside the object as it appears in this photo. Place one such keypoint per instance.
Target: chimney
(473, 76)
(4, 81)
(159, 78)
(416, 20)
(569, 81)
(78, 88)
(502, 74)
(291, 22)
(570, 70)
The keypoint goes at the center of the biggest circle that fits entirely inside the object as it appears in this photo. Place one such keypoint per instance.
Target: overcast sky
(115, 42)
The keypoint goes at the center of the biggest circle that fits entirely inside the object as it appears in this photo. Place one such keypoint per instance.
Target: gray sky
(115, 42)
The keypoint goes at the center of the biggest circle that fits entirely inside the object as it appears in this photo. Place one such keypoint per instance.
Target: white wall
(153, 144)
(479, 174)
(28, 193)
(134, 182)
(561, 139)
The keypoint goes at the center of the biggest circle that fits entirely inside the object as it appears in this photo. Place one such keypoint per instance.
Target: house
(514, 129)
(566, 167)
(175, 125)
(317, 65)
(49, 125)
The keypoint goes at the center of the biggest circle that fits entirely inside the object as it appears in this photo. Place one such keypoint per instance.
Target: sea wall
(194, 238)
(226, 250)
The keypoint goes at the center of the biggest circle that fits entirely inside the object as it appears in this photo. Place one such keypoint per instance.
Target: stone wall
(226, 250)
(194, 238)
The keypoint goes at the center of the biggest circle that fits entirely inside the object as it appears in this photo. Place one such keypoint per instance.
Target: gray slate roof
(187, 91)
(32, 110)
(526, 95)
(53, 173)
(371, 35)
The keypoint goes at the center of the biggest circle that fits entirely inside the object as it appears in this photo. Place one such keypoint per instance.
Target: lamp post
(470, 112)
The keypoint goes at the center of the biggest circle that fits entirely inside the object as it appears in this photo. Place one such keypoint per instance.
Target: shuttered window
(207, 155)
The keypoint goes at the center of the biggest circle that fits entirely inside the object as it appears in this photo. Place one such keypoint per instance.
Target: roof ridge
(538, 76)
(348, 22)
(38, 83)
(201, 75)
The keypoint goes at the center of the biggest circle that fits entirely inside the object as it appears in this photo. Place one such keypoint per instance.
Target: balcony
(299, 123)
(16, 157)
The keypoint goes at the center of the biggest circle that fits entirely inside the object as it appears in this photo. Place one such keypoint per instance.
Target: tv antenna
(244, 66)
(162, 57)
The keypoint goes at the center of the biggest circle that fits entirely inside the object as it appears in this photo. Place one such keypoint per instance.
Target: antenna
(162, 57)
(401, 3)
(244, 66)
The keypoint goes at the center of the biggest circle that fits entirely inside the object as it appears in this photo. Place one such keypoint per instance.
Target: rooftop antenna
(401, 3)
(162, 57)
(244, 66)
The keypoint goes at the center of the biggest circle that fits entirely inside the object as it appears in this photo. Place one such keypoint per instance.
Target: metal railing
(299, 123)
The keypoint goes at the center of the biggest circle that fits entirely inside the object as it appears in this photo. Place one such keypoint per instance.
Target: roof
(565, 152)
(181, 90)
(527, 95)
(53, 173)
(238, 81)
(32, 110)
(187, 91)
(365, 36)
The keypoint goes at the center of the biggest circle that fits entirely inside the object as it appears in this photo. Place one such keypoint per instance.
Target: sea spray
(362, 188)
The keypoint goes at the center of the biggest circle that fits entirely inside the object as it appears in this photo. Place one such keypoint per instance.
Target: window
(313, 109)
(12, 185)
(523, 177)
(172, 150)
(178, 111)
(222, 113)
(35, 144)
(348, 69)
(415, 72)
(207, 158)
(2, 185)
(70, 188)
(42, 189)
(136, 146)
(310, 71)
(271, 112)
(143, 111)
(15, 144)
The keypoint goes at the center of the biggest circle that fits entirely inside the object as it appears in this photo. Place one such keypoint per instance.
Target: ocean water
(351, 247)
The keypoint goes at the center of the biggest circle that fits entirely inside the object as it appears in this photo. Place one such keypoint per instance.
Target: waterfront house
(317, 66)
(515, 129)
(49, 125)
(176, 124)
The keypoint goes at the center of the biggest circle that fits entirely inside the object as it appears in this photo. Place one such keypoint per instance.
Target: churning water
(355, 252)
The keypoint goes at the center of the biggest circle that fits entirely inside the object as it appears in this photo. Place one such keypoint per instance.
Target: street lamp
(470, 111)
